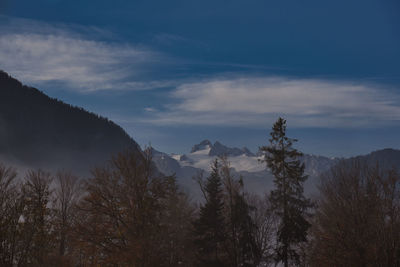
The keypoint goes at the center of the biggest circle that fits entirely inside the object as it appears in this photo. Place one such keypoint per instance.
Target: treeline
(357, 219)
(129, 214)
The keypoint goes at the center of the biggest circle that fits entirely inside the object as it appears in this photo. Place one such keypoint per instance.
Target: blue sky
(173, 73)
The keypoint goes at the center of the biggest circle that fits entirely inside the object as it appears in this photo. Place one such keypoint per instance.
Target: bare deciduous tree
(67, 193)
(357, 222)
(127, 211)
(266, 226)
(35, 222)
(11, 206)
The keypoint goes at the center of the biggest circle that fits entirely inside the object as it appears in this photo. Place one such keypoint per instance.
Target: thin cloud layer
(40, 53)
(306, 103)
(85, 60)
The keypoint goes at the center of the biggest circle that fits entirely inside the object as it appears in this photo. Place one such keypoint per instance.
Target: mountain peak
(201, 146)
(219, 149)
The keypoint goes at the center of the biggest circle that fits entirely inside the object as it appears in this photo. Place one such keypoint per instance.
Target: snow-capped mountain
(219, 149)
(204, 153)
(256, 177)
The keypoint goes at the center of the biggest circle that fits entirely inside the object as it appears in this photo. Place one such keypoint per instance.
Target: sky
(173, 73)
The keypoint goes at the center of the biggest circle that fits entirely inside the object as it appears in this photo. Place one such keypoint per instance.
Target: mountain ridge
(40, 131)
(218, 149)
(257, 178)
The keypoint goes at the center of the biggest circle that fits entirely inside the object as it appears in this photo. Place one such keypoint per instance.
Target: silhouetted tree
(210, 226)
(67, 193)
(357, 222)
(127, 212)
(11, 206)
(287, 199)
(240, 244)
(36, 239)
(176, 238)
(265, 228)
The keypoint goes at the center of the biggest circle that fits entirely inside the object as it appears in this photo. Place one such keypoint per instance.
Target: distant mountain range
(39, 131)
(247, 164)
(243, 163)
(219, 149)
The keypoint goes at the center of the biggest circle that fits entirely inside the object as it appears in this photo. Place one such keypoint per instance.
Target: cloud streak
(41, 53)
(255, 101)
(85, 60)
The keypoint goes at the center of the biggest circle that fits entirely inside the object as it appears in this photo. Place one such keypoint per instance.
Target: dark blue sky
(175, 72)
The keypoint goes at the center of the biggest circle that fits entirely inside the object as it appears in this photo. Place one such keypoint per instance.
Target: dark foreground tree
(287, 199)
(210, 226)
(67, 192)
(36, 231)
(265, 228)
(241, 242)
(11, 207)
(128, 216)
(226, 230)
(358, 218)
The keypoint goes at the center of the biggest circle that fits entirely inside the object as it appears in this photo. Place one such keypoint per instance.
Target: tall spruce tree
(241, 245)
(287, 200)
(247, 251)
(210, 226)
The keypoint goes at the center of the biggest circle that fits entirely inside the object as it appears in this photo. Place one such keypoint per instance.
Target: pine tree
(209, 227)
(240, 242)
(247, 249)
(287, 200)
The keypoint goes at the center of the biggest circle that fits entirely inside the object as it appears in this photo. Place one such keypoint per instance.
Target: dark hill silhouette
(39, 131)
(386, 159)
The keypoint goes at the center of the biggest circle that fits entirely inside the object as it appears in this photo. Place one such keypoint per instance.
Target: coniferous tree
(209, 227)
(240, 242)
(287, 200)
(248, 252)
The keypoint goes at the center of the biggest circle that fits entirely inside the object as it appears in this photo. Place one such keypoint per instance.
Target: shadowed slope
(40, 131)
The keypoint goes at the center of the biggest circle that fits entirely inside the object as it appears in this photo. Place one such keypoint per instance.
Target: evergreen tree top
(287, 199)
(281, 146)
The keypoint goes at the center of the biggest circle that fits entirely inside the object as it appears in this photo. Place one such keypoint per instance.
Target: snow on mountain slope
(257, 178)
(201, 159)
(204, 153)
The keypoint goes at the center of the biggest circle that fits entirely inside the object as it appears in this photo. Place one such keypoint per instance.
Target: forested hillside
(40, 131)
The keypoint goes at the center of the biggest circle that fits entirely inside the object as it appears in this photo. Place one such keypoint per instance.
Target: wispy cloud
(39, 53)
(150, 109)
(304, 102)
(89, 59)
